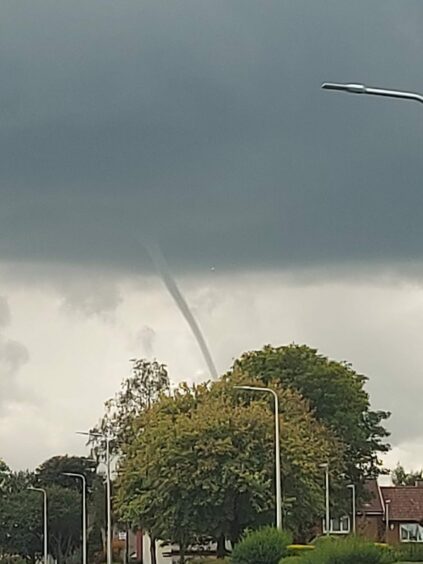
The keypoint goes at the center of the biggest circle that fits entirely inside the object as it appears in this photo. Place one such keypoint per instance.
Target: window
(338, 526)
(411, 532)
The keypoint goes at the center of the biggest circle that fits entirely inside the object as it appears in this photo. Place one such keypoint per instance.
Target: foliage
(264, 546)
(402, 478)
(348, 551)
(52, 470)
(203, 463)
(410, 553)
(138, 392)
(336, 394)
(64, 506)
(21, 524)
(291, 560)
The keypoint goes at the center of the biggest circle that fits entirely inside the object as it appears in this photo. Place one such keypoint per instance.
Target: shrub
(291, 560)
(410, 553)
(349, 551)
(265, 546)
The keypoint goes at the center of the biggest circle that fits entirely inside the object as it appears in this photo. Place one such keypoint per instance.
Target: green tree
(52, 471)
(64, 505)
(400, 477)
(21, 523)
(149, 379)
(202, 463)
(336, 394)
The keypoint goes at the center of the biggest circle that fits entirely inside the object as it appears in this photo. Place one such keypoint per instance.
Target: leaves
(203, 463)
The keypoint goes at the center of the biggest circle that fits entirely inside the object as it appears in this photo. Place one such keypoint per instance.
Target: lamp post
(353, 497)
(387, 503)
(45, 518)
(327, 518)
(107, 437)
(278, 476)
(84, 512)
(371, 91)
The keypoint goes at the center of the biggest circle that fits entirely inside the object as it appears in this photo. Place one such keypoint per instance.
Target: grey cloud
(4, 312)
(89, 295)
(146, 337)
(13, 355)
(202, 124)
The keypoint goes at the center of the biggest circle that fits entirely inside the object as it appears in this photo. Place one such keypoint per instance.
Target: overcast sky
(286, 213)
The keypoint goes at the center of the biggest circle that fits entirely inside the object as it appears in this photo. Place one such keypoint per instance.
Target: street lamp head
(324, 465)
(351, 87)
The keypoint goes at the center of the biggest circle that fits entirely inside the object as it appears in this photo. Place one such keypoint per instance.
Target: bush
(265, 546)
(410, 553)
(291, 560)
(349, 551)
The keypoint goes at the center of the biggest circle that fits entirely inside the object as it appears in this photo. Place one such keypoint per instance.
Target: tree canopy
(335, 393)
(202, 463)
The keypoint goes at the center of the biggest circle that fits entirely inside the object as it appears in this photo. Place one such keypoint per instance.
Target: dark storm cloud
(202, 123)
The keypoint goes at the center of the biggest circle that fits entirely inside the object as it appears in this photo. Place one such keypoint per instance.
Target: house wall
(371, 527)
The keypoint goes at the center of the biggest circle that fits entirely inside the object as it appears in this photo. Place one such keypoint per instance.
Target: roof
(373, 502)
(406, 502)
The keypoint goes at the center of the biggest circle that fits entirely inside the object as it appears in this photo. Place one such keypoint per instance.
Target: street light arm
(353, 88)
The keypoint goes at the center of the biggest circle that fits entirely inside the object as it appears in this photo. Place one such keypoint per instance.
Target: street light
(326, 467)
(352, 88)
(387, 503)
(352, 488)
(277, 450)
(107, 437)
(43, 491)
(84, 512)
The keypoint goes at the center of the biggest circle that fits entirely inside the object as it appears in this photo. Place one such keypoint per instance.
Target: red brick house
(391, 514)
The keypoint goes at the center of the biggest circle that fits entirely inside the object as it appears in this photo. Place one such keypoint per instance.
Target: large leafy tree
(21, 524)
(335, 392)
(64, 522)
(66, 517)
(202, 462)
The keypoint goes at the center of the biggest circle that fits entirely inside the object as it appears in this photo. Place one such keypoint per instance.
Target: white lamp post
(353, 497)
(387, 503)
(327, 519)
(371, 91)
(109, 490)
(84, 512)
(45, 518)
(278, 476)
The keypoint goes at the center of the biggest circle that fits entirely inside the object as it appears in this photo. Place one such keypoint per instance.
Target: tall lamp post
(327, 495)
(353, 498)
(108, 489)
(278, 476)
(387, 503)
(371, 91)
(84, 511)
(45, 518)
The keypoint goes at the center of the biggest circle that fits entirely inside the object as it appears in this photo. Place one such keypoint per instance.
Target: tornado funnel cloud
(173, 289)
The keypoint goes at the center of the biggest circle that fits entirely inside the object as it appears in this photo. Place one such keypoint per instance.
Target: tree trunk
(153, 552)
(182, 553)
(221, 546)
